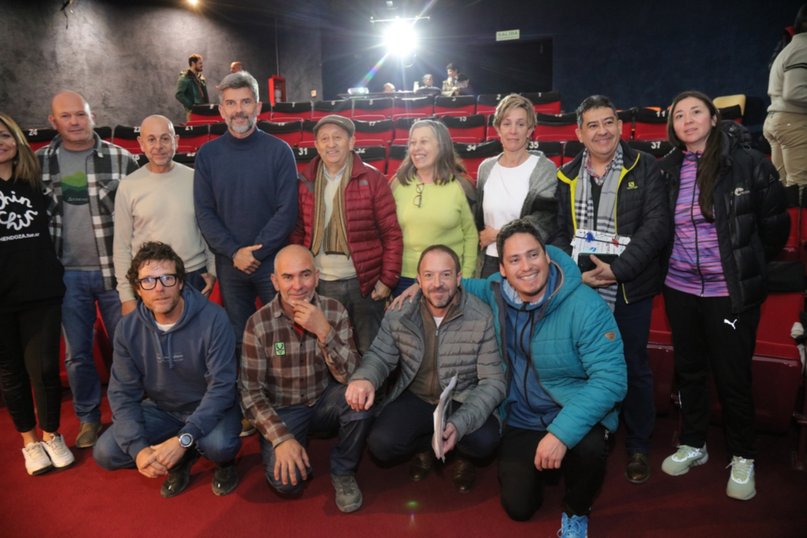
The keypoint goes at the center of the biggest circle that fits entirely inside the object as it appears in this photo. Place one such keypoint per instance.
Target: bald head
(158, 140)
(295, 277)
(236, 66)
(72, 118)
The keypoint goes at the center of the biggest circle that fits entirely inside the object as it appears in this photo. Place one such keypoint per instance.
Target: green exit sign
(507, 35)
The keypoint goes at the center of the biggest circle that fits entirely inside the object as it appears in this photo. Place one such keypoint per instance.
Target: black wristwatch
(186, 440)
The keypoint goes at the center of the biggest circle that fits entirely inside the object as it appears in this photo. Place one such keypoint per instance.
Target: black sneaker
(179, 476)
(225, 479)
(638, 469)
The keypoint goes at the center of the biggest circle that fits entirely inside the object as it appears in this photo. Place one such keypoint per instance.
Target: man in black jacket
(611, 188)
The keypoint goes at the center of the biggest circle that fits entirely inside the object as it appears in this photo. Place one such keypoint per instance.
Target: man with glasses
(172, 390)
(156, 203)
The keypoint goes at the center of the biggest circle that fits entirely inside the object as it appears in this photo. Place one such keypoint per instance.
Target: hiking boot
(421, 465)
(463, 475)
(573, 526)
(638, 469)
(741, 484)
(247, 428)
(58, 452)
(225, 479)
(179, 476)
(88, 434)
(36, 459)
(685, 457)
(348, 495)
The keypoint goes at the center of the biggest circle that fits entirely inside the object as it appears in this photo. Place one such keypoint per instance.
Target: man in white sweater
(155, 203)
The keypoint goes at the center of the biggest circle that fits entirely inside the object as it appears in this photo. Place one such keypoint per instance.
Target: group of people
(542, 355)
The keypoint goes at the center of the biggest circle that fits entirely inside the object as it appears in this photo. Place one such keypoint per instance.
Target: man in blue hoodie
(565, 375)
(173, 384)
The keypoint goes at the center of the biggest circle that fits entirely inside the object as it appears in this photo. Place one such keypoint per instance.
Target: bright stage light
(400, 38)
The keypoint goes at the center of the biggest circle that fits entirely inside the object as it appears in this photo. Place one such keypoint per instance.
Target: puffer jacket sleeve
(386, 219)
(599, 346)
(772, 217)
(383, 355)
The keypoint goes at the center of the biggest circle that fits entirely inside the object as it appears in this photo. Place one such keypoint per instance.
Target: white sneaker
(36, 460)
(741, 484)
(685, 457)
(58, 452)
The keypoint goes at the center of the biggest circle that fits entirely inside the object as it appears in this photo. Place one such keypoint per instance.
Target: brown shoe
(88, 434)
(463, 474)
(638, 470)
(421, 465)
(247, 428)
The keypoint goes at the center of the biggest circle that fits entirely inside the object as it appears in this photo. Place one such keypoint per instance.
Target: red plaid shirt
(283, 365)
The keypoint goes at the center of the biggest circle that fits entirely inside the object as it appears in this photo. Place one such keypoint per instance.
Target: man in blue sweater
(172, 388)
(245, 195)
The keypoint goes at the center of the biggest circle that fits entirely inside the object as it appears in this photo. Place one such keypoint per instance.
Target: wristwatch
(186, 440)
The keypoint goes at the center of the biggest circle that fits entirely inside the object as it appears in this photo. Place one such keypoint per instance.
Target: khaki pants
(787, 134)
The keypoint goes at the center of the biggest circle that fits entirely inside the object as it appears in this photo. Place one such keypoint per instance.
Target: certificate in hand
(440, 419)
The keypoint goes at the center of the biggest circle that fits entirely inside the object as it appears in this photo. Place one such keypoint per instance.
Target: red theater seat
(397, 153)
(126, 137)
(473, 154)
(552, 150)
(486, 103)
(656, 148)
(383, 106)
(379, 130)
(375, 156)
(459, 105)
(303, 156)
(39, 138)
(571, 148)
(468, 128)
(414, 105)
(205, 114)
(300, 110)
(650, 124)
(192, 137)
(341, 107)
(290, 131)
(557, 127)
(544, 102)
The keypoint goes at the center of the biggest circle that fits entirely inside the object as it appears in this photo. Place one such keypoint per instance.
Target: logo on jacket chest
(280, 349)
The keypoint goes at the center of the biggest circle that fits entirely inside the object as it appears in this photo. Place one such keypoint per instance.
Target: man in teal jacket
(565, 375)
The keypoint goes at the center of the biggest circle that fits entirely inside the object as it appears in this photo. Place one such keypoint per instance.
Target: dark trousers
(406, 425)
(638, 408)
(365, 313)
(329, 416)
(707, 335)
(240, 290)
(29, 359)
(583, 469)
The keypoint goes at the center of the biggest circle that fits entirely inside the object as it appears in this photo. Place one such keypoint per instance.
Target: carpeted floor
(86, 501)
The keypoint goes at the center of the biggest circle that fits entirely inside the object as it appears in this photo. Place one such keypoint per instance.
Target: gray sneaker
(685, 457)
(348, 494)
(742, 485)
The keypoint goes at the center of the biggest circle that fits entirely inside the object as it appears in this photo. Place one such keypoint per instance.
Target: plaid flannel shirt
(281, 367)
(105, 168)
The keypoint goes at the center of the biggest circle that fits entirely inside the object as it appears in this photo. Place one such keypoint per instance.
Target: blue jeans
(221, 445)
(638, 408)
(239, 290)
(83, 290)
(406, 425)
(365, 313)
(330, 415)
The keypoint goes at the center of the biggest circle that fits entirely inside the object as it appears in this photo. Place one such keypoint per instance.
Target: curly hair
(154, 251)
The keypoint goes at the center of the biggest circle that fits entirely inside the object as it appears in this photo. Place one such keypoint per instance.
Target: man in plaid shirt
(81, 174)
(297, 354)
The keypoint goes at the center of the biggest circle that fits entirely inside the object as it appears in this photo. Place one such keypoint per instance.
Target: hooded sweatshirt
(189, 370)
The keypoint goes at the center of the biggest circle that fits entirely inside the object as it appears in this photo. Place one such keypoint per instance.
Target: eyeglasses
(150, 282)
(418, 199)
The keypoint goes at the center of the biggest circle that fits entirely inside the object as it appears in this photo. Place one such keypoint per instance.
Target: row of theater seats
(385, 107)
(387, 159)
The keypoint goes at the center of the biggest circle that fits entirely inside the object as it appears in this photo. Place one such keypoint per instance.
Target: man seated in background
(172, 389)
